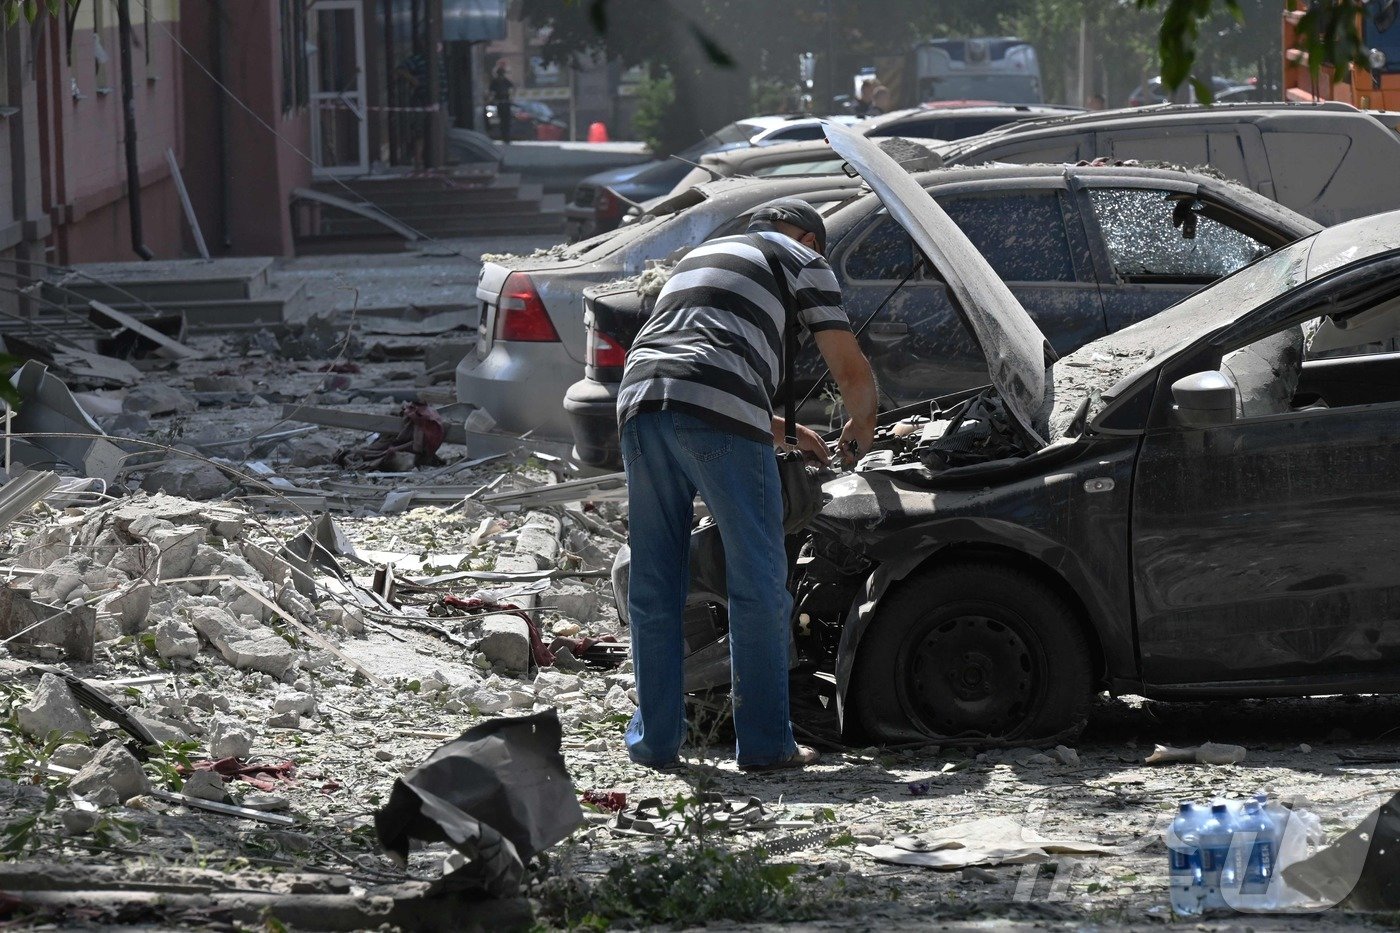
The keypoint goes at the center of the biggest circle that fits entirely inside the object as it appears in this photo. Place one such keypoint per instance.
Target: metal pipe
(133, 165)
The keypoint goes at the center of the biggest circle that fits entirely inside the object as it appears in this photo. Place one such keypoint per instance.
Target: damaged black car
(1196, 506)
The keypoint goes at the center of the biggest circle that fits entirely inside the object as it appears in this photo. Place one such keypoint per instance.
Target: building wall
(90, 210)
(262, 164)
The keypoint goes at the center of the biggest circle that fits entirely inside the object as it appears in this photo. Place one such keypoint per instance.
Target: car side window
(884, 252)
(1021, 233)
(1145, 245)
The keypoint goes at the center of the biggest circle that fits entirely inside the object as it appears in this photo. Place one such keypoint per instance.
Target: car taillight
(604, 352)
(608, 206)
(521, 316)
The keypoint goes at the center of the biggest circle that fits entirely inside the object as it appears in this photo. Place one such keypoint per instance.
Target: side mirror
(1202, 400)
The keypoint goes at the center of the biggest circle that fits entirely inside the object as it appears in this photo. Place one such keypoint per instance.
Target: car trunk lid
(1018, 355)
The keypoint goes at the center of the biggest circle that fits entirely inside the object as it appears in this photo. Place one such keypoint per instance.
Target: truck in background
(1002, 69)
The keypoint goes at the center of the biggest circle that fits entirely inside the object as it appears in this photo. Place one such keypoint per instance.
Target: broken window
(1021, 233)
(1145, 245)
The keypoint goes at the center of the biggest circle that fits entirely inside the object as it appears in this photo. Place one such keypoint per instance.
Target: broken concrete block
(205, 785)
(53, 709)
(277, 571)
(235, 385)
(574, 601)
(152, 398)
(290, 720)
(111, 777)
(505, 642)
(241, 603)
(217, 626)
(71, 756)
(78, 822)
(316, 450)
(178, 547)
(132, 606)
(175, 639)
(539, 537)
(159, 729)
(269, 654)
(229, 738)
(294, 702)
(191, 479)
(265, 802)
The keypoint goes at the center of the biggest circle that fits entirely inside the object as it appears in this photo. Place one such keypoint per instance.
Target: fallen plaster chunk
(175, 639)
(71, 755)
(53, 709)
(132, 607)
(159, 729)
(205, 785)
(217, 626)
(111, 777)
(1209, 753)
(295, 702)
(505, 642)
(152, 398)
(190, 479)
(269, 654)
(229, 738)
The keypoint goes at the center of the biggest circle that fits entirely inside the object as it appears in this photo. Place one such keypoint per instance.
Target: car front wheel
(972, 650)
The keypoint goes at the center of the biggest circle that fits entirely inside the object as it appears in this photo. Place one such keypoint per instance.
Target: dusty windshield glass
(1096, 367)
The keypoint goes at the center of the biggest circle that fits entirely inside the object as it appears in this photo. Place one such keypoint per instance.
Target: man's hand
(862, 436)
(857, 384)
(808, 441)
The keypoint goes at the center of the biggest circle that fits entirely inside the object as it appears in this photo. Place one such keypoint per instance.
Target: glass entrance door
(340, 132)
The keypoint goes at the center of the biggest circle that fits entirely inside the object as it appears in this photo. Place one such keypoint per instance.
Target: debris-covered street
(639, 465)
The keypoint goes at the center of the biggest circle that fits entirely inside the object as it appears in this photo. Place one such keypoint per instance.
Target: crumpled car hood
(1017, 353)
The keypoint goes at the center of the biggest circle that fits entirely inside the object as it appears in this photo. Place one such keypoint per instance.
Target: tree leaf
(712, 49)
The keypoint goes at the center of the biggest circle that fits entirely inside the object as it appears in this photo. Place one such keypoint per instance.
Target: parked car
(799, 129)
(530, 119)
(600, 201)
(1156, 92)
(1330, 162)
(937, 121)
(530, 343)
(934, 122)
(1087, 251)
(1192, 507)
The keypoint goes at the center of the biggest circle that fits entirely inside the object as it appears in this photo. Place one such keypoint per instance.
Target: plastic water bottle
(1259, 863)
(1218, 874)
(1184, 845)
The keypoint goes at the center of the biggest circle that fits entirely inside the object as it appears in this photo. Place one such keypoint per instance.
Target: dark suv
(1087, 251)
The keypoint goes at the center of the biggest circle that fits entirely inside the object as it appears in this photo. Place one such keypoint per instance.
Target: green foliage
(770, 95)
(30, 9)
(169, 762)
(655, 97)
(685, 885)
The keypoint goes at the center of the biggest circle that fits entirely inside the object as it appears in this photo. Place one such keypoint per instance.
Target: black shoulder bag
(801, 488)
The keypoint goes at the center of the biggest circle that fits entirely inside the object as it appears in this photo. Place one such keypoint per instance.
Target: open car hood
(1017, 353)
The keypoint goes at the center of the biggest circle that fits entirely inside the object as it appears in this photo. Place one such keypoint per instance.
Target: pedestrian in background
(501, 88)
(696, 414)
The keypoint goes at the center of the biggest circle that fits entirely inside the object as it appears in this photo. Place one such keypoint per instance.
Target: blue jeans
(670, 456)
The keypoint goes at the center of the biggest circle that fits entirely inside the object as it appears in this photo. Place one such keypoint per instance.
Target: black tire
(972, 649)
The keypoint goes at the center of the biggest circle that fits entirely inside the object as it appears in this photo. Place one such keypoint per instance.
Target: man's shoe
(801, 758)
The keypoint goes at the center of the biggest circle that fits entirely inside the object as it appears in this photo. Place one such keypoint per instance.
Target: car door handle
(887, 330)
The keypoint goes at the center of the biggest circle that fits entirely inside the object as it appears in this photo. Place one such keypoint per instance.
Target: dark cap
(793, 211)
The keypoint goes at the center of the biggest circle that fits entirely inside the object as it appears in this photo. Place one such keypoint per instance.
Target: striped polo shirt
(713, 346)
